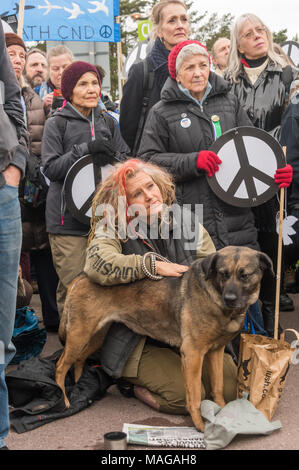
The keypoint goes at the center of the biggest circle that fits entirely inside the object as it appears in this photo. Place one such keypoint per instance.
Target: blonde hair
(234, 60)
(279, 50)
(157, 14)
(57, 51)
(115, 186)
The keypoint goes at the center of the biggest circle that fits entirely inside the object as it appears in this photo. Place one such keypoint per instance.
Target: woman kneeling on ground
(115, 252)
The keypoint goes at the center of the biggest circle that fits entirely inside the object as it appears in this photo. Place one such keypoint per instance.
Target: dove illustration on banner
(75, 11)
(287, 229)
(48, 7)
(99, 6)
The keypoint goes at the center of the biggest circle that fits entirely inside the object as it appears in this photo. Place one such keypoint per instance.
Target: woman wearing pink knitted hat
(196, 106)
(78, 129)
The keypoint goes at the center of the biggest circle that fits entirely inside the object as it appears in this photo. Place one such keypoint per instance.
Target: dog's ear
(209, 264)
(266, 263)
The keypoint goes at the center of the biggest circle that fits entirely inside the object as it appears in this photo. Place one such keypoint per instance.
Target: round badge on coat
(185, 123)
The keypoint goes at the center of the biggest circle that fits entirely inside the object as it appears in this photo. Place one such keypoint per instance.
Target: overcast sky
(276, 14)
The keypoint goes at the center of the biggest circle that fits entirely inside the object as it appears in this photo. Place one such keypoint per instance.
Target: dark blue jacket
(290, 139)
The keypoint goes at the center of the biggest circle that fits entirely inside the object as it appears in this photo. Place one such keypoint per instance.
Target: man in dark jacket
(12, 167)
(36, 250)
(290, 139)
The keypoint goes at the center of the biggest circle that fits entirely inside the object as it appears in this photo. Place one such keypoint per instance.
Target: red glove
(208, 161)
(284, 176)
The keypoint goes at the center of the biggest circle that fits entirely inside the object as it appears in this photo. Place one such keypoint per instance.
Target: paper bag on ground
(262, 370)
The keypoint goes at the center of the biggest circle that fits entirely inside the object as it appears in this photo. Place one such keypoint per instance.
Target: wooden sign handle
(21, 18)
(279, 256)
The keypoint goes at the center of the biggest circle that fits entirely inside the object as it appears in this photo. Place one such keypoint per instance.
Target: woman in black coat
(261, 82)
(180, 129)
(171, 26)
(178, 132)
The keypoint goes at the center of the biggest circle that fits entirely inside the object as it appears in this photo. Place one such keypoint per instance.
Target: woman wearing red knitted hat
(196, 106)
(78, 129)
(179, 131)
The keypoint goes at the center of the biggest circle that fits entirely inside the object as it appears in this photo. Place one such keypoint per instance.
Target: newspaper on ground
(161, 436)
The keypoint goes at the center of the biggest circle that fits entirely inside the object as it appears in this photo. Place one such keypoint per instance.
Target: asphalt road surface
(85, 430)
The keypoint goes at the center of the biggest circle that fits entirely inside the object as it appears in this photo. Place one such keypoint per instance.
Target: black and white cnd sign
(80, 185)
(291, 48)
(250, 158)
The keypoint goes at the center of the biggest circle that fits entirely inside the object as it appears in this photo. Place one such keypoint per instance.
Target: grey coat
(11, 101)
(60, 152)
(167, 143)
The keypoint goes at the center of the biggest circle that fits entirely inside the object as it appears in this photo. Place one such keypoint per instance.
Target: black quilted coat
(168, 144)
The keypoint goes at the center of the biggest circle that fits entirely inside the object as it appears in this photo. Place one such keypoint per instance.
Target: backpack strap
(287, 78)
(61, 123)
(148, 82)
(109, 121)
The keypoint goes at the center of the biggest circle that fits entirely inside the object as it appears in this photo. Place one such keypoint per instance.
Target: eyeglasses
(257, 31)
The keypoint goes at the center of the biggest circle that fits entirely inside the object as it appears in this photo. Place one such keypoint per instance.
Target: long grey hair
(234, 60)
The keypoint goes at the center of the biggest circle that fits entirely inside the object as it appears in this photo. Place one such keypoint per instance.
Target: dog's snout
(230, 296)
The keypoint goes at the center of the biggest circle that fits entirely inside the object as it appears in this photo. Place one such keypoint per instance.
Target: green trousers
(160, 372)
(68, 254)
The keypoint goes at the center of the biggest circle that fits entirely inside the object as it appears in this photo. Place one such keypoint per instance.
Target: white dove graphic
(75, 11)
(48, 7)
(287, 229)
(99, 6)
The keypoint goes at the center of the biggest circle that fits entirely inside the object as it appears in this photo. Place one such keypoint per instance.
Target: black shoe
(52, 328)
(268, 312)
(4, 448)
(286, 304)
(125, 388)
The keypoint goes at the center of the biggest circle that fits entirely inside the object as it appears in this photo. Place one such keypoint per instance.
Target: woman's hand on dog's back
(170, 269)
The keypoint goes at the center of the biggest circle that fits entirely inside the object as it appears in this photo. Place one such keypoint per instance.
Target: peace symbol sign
(291, 48)
(80, 185)
(250, 158)
(105, 31)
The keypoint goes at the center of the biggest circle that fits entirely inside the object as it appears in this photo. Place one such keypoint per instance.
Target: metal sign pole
(21, 18)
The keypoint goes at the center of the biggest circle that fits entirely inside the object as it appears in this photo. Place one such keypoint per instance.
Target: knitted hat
(172, 58)
(13, 39)
(72, 74)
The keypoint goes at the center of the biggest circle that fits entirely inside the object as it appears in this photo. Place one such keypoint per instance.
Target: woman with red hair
(131, 211)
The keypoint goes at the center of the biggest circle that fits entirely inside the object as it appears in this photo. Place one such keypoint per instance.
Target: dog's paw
(199, 423)
(201, 426)
(220, 402)
(67, 403)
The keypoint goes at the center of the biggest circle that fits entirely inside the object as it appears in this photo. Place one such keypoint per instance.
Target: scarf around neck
(254, 62)
(159, 56)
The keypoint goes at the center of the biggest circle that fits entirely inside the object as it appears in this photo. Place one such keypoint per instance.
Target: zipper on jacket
(63, 201)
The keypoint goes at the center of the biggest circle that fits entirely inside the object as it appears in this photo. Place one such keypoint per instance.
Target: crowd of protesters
(56, 114)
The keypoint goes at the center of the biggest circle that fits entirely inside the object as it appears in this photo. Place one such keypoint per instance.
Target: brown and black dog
(199, 313)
